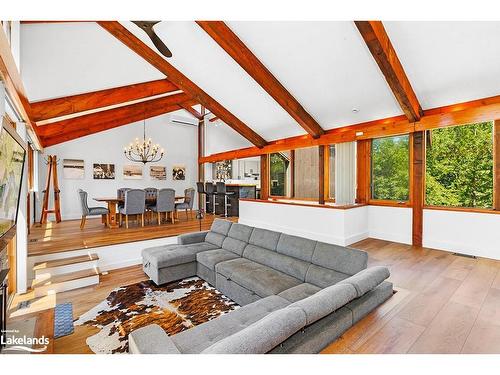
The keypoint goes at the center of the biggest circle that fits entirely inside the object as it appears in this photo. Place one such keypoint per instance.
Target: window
(390, 168)
(459, 166)
(331, 172)
(279, 173)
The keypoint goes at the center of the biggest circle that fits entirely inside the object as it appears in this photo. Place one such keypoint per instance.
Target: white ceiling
(449, 62)
(325, 65)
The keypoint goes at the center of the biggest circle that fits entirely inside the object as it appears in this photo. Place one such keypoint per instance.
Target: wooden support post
(292, 173)
(496, 165)
(321, 171)
(417, 185)
(264, 176)
(363, 171)
(201, 153)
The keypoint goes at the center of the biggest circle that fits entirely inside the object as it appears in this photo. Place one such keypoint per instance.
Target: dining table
(112, 203)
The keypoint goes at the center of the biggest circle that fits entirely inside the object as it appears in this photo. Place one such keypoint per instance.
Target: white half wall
(390, 223)
(337, 226)
(179, 141)
(463, 232)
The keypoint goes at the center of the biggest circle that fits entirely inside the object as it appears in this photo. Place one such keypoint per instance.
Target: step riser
(59, 270)
(43, 290)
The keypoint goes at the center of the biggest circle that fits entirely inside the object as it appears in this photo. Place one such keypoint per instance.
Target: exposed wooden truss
(240, 53)
(380, 46)
(193, 112)
(462, 113)
(66, 130)
(179, 79)
(69, 105)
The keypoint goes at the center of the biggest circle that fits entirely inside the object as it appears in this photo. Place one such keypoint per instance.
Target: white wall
(337, 226)
(390, 223)
(219, 138)
(179, 142)
(463, 232)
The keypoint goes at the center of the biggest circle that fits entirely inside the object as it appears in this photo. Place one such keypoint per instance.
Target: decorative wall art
(104, 171)
(158, 173)
(179, 172)
(132, 172)
(73, 169)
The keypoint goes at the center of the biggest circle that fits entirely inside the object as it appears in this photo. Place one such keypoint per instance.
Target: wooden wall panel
(306, 173)
(417, 185)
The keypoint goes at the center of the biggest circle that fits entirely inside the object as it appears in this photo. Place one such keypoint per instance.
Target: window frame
(390, 202)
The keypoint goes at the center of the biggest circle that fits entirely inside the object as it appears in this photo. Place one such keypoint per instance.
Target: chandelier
(143, 151)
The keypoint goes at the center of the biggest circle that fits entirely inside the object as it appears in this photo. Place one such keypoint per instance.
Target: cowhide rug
(175, 307)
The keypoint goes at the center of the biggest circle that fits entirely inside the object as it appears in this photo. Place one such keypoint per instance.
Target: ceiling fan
(147, 26)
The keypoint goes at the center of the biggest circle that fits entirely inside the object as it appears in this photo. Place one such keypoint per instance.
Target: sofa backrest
(237, 238)
(218, 232)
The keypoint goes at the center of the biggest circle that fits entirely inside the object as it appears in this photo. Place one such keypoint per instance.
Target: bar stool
(221, 190)
(200, 187)
(210, 191)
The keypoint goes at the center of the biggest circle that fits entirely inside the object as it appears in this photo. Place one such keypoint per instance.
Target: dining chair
(120, 194)
(165, 202)
(187, 204)
(90, 211)
(151, 194)
(135, 204)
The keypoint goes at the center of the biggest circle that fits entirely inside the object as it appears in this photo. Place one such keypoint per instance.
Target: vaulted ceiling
(319, 75)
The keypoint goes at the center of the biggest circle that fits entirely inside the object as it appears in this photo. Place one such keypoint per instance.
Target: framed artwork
(132, 172)
(179, 172)
(158, 172)
(104, 171)
(73, 169)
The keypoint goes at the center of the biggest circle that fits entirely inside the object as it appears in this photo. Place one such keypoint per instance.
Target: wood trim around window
(264, 176)
(496, 165)
(463, 209)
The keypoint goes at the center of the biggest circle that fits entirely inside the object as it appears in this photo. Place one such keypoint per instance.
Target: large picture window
(390, 168)
(459, 166)
(279, 174)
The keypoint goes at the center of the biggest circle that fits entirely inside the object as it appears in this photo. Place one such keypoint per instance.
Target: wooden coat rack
(51, 172)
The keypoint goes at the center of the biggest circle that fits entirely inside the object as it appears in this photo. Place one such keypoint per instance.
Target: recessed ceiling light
(355, 110)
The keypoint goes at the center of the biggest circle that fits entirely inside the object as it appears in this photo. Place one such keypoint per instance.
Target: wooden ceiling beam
(185, 84)
(380, 46)
(486, 109)
(193, 112)
(69, 105)
(9, 74)
(245, 58)
(66, 130)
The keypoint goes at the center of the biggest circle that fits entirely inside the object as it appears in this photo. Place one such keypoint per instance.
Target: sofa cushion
(234, 245)
(323, 277)
(215, 238)
(161, 256)
(299, 292)
(196, 339)
(262, 280)
(240, 232)
(367, 279)
(263, 335)
(221, 226)
(151, 339)
(297, 247)
(211, 257)
(339, 258)
(291, 266)
(325, 301)
(267, 239)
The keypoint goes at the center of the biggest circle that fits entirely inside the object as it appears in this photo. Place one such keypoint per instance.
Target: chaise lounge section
(297, 295)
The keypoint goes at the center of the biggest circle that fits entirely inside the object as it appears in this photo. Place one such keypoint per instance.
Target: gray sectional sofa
(297, 295)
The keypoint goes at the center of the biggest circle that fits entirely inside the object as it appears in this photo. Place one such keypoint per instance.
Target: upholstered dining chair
(135, 204)
(151, 194)
(120, 194)
(90, 211)
(187, 204)
(165, 202)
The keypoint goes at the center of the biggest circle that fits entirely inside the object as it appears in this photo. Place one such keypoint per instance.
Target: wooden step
(47, 284)
(44, 326)
(40, 266)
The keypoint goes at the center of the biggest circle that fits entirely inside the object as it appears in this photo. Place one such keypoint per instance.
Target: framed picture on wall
(104, 171)
(73, 169)
(179, 172)
(158, 172)
(132, 172)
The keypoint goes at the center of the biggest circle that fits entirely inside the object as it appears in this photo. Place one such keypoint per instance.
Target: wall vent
(465, 255)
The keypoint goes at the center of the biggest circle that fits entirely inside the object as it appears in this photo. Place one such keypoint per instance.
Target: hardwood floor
(444, 304)
(55, 238)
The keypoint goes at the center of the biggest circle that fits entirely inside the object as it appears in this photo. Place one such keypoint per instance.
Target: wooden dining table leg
(112, 215)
